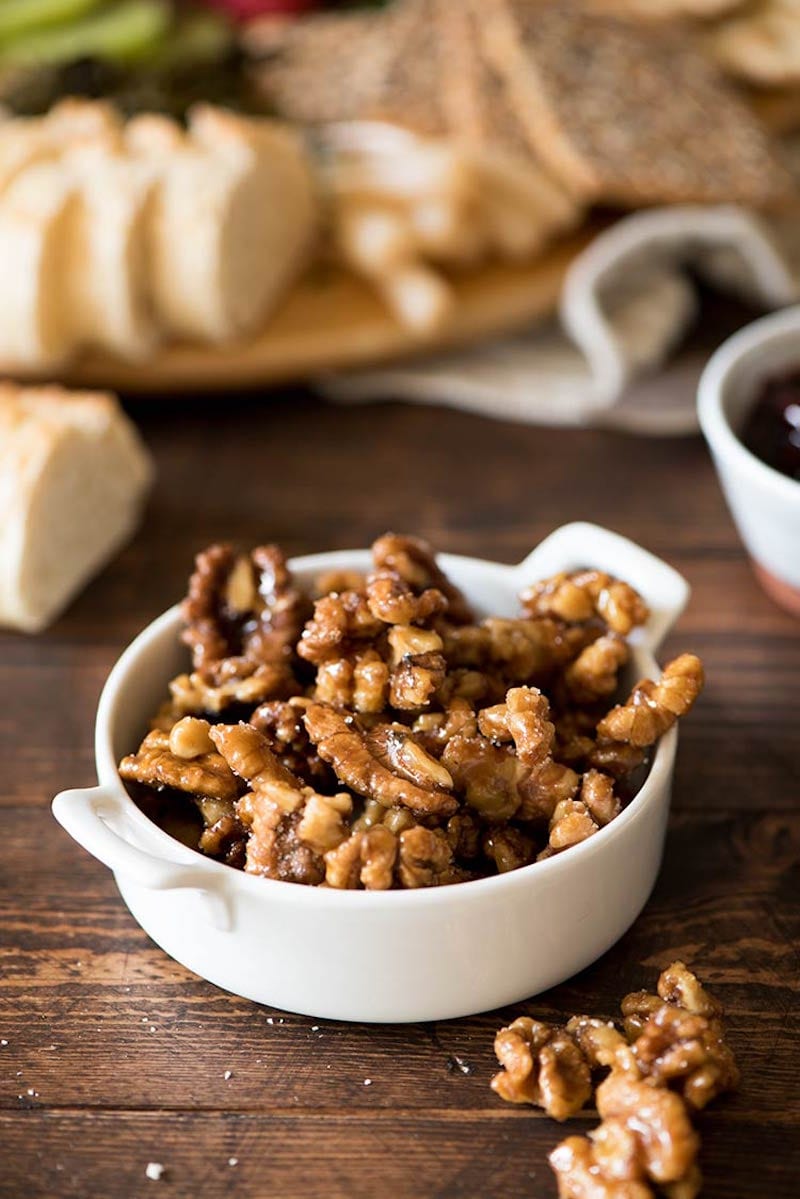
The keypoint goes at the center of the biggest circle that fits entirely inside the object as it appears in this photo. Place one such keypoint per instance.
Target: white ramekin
(765, 504)
(398, 955)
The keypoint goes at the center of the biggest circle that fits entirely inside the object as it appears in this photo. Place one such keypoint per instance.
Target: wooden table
(117, 1056)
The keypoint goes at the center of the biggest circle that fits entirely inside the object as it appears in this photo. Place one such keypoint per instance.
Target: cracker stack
(624, 114)
(616, 111)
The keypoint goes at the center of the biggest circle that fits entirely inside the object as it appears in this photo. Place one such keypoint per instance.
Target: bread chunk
(73, 476)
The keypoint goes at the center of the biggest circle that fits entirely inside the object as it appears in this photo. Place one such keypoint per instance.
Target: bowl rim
(742, 347)
(221, 877)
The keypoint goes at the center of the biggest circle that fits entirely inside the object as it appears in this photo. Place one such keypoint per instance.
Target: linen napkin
(626, 302)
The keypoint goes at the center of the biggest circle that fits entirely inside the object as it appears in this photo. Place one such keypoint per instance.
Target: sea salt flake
(154, 1171)
(228, 1074)
(4, 1042)
(233, 1161)
(367, 1082)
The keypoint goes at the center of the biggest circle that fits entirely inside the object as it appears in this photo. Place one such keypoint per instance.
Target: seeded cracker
(329, 67)
(625, 114)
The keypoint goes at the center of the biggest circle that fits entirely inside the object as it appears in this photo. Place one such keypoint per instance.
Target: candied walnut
(426, 859)
(679, 1037)
(666, 1143)
(155, 764)
(360, 682)
(415, 562)
(570, 824)
(543, 1066)
(337, 581)
(276, 810)
(192, 695)
(248, 755)
(339, 625)
(523, 719)
(225, 838)
(579, 1175)
(509, 848)
(398, 820)
(584, 594)
(544, 787)
(433, 730)
(487, 775)
(392, 600)
(616, 758)
(367, 857)
(653, 708)
(600, 1042)
(188, 738)
(678, 985)
(520, 650)
(321, 825)
(464, 834)
(418, 667)
(385, 764)
(688, 1053)
(282, 725)
(597, 796)
(593, 674)
(241, 608)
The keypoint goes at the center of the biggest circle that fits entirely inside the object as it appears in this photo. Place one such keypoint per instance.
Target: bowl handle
(582, 545)
(84, 815)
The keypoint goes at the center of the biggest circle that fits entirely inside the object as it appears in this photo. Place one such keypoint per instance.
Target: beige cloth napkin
(626, 302)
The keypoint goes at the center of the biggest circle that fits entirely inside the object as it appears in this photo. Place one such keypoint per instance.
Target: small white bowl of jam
(749, 409)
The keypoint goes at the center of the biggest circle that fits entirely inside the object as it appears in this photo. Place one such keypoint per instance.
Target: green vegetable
(22, 16)
(129, 31)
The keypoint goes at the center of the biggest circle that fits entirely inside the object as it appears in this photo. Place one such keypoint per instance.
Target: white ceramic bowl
(395, 955)
(765, 504)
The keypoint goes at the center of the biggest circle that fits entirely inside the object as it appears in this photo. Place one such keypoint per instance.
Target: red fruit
(246, 10)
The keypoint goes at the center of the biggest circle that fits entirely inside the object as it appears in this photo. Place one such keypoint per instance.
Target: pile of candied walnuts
(671, 1062)
(378, 734)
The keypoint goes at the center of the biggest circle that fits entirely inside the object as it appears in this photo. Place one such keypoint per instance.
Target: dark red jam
(772, 428)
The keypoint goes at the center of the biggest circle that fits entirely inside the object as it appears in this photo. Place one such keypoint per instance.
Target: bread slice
(73, 475)
(627, 114)
(25, 141)
(108, 269)
(233, 218)
(39, 213)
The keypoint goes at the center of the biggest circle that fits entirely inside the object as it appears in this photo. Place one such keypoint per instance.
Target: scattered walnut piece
(155, 764)
(584, 594)
(653, 708)
(645, 1143)
(541, 1065)
(679, 1037)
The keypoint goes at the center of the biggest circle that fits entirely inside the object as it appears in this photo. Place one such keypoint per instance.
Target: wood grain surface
(117, 1057)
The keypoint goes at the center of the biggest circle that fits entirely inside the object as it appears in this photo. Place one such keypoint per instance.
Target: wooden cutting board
(334, 321)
